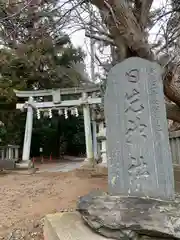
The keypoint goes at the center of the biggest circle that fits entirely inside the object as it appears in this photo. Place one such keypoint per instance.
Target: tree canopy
(35, 54)
(34, 43)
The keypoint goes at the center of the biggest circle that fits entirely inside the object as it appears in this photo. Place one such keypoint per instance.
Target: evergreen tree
(35, 54)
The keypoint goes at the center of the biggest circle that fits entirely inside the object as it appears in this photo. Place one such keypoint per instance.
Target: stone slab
(122, 217)
(68, 226)
(138, 150)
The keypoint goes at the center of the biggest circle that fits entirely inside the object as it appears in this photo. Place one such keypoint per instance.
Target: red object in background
(50, 158)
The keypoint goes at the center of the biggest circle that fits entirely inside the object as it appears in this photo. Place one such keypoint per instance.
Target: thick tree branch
(129, 34)
(142, 9)
(100, 38)
(173, 112)
(171, 90)
(123, 26)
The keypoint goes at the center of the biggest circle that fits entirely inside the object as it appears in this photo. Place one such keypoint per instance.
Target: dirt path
(25, 199)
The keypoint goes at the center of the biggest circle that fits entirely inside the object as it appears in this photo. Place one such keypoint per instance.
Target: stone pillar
(7, 153)
(16, 153)
(99, 150)
(138, 150)
(94, 131)
(103, 153)
(88, 132)
(102, 166)
(10, 156)
(3, 154)
(28, 132)
(102, 133)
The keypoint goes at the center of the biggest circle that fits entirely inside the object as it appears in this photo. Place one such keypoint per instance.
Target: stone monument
(139, 158)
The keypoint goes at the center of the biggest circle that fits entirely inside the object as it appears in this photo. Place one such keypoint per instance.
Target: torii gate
(57, 103)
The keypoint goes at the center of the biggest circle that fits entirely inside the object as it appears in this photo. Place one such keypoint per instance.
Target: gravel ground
(26, 199)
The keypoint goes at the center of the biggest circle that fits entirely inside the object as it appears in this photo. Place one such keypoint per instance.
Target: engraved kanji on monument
(138, 151)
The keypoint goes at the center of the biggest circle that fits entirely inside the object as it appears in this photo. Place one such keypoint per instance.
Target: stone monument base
(102, 169)
(25, 165)
(88, 164)
(95, 170)
(131, 218)
(68, 226)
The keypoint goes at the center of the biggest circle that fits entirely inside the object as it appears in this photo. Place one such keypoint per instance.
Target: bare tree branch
(122, 23)
(100, 38)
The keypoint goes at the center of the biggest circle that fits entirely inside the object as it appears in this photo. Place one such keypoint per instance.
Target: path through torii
(57, 103)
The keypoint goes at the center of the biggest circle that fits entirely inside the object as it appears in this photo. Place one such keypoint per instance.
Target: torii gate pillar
(28, 132)
(88, 131)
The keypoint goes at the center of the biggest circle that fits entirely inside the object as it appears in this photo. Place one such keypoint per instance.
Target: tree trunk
(173, 112)
(174, 126)
(172, 92)
(127, 29)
